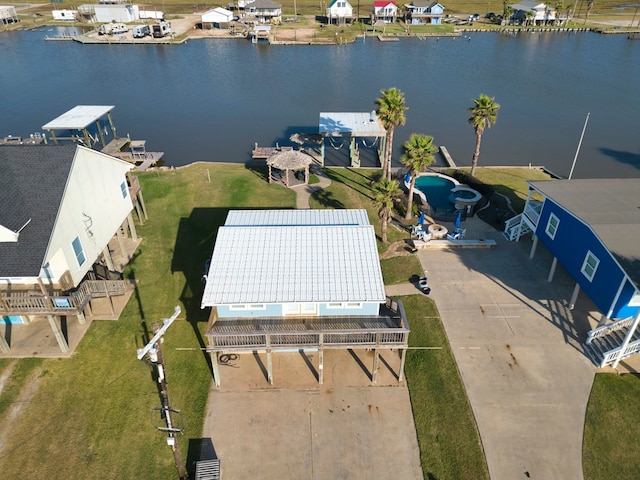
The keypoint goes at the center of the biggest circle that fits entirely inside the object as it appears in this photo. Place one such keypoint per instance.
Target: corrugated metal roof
(252, 218)
(328, 263)
(358, 123)
(78, 117)
(610, 206)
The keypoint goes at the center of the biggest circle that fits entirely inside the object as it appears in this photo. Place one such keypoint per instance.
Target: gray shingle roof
(32, 184)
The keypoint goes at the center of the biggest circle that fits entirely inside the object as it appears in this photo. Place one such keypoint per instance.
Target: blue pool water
(437, 189)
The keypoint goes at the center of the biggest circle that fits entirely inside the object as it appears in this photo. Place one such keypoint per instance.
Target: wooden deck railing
(30, 303)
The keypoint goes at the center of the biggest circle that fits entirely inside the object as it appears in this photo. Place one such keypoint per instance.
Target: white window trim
(335, 305)
(244, 306)
(354, 305)
(585, 264)
(550, 226)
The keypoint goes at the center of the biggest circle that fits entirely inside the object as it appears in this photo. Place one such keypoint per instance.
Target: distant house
(107, 11)
(289, 280)
(541, 14)
(264, 11)
(385, 11)
(423, 11)
(592, 229)
(217, 18)
(340, 12)
(62, 205)
(8, 14)
(62, 15)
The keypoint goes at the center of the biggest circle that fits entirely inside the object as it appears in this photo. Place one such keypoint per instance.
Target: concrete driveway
(518, 350)
(297, 429)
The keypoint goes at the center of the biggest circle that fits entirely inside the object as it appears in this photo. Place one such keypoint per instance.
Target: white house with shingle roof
(61, 205)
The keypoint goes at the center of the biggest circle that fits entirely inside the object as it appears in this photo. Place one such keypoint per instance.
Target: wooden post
(269, 174)
(216, 368)
(403, 357)
(144, 208)
(87, 138)
(107, 258)
(132, 226)
(81, 318)
(123, 250)
(57, 332)
(113, 127)
(53, 136)
(374, 372)
(100, 133)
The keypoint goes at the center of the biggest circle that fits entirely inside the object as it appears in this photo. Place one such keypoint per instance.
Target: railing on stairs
(607, 329)
(515, 227)
(612, 355)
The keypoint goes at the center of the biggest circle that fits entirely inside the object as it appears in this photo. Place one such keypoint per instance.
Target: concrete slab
(296, 428)
(518, 348)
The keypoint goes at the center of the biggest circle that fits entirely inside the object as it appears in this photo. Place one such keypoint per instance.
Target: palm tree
(418, 155)
(386, 191)
(484, 113)
(390, 111)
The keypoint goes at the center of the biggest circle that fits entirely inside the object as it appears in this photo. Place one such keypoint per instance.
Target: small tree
(385, 194)
(484, 113)
(418, 156)
(390, 111)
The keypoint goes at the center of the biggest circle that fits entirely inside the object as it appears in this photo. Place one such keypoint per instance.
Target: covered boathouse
(299, 280)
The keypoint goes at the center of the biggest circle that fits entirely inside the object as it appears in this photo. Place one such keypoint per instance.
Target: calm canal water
(212, 99)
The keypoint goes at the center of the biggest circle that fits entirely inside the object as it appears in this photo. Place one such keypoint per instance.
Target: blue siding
(367, 309)
(273, 310)
(622, 309)
(572, 241)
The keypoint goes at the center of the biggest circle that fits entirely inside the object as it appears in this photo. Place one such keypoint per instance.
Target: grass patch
(447, 435)
(92, 415)
(610, 446)
(400, 269)
(351, 188)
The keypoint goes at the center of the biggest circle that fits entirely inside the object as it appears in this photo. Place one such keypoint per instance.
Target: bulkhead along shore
(337, 22)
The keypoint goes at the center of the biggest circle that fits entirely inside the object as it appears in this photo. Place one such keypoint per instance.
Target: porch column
(269, 362)
(57, 332)
(144, 208)
(603, 320)
(123, 250)
(81, 318)
(627, 339)
(269, 174)
(374, 372)
(574, 297)
(139, 212)
(322, 151)
(403, 357)
(107, 258)
(533, 247)
(320, 366)
(4, 345)
(100, 133)
(132, 226)
(552, 271)
(216, 368)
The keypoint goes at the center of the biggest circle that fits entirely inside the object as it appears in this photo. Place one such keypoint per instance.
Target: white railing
(612, 355)
(532, 211)
(515, 227)
(607, 329)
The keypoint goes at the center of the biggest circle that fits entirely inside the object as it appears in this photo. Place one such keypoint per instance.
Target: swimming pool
(435, 189)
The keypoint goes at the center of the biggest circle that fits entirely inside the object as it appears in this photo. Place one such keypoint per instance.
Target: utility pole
(573, 165)
(154, 351)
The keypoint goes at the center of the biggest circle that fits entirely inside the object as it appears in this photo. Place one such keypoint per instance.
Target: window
(243, 306)
(78, 250)
(334, 305)
(123, 188)
(590, 266)
(353, 305)
(552, 226)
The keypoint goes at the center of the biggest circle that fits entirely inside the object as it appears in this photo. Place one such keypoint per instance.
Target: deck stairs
(604, 343)
(515, 227)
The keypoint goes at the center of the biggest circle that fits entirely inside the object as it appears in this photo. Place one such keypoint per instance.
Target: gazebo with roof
(286, 161)
(77, 122)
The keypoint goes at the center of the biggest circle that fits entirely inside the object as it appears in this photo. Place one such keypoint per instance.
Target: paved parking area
(343, 429)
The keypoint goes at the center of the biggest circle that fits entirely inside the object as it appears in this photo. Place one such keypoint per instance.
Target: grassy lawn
(91, 415)
(450, 447)
(610, 445)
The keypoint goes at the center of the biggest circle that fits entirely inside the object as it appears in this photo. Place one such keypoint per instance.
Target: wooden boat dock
(262, 153)
(133, 151)
(447, 158)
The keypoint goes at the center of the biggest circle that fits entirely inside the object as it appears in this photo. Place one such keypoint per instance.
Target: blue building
(290, 280)
(592, 227)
